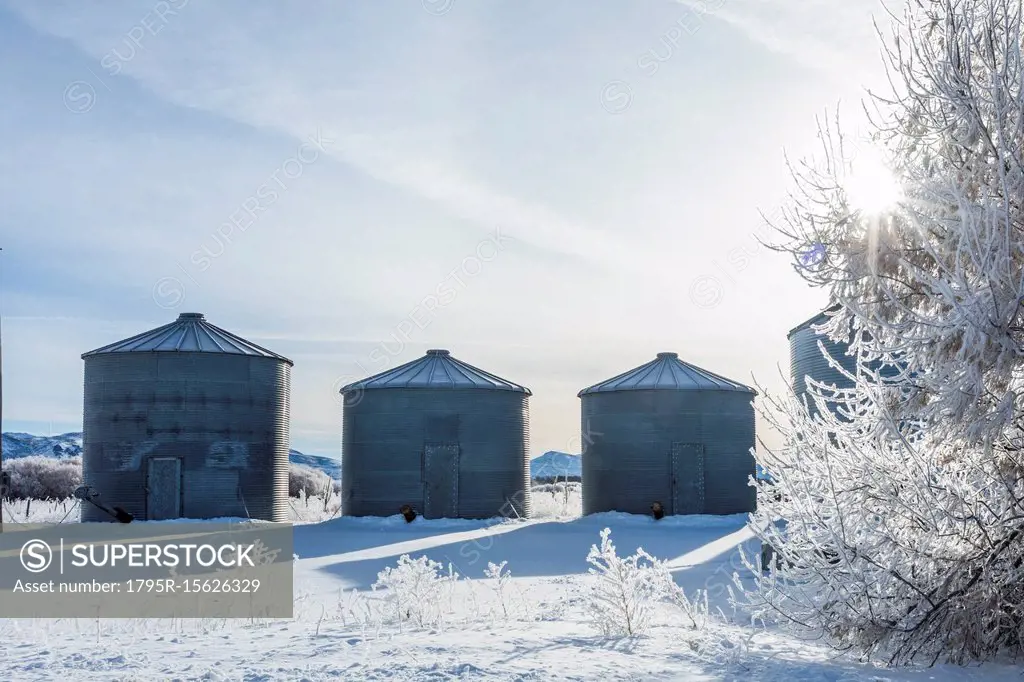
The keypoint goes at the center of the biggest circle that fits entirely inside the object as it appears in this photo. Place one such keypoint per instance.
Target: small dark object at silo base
(658, 511)
(408, 513)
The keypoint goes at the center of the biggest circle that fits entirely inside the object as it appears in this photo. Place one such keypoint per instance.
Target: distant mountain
(331, 467)
(25, 445)
(555, 464)
(551, 464)
(18, 445)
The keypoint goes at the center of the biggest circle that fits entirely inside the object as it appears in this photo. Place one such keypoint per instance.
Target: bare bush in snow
(309, 481)
(43, 478)
(622, 598)
(417, 591)
(904, 515)
(314, 508)
(503, 592)
(557, 500)
(705, 630)
(631, 591)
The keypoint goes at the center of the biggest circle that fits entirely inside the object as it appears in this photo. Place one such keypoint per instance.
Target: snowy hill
(555, 464)
(331, 467)
(18, 445)
(25, 445)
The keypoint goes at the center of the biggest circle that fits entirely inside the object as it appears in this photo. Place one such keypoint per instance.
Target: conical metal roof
(190, 333)
(668, 373)
(436, 369)
(820, 318)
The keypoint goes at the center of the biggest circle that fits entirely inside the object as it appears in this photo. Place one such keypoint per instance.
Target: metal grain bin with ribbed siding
(806, 358)
(446, 438)
(668, 432)
(187, 421)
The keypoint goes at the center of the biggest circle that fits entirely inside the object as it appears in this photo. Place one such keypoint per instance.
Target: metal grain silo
(807, 360)
(446, 438)
(669, 432)
(187, 421)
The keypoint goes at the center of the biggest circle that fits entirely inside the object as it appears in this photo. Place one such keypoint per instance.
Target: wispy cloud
(528, 221)
(832, 38)
(444, 126)
(417, 159)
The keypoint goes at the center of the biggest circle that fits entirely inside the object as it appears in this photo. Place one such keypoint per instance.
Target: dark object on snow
(88, 495)
(658, 511)
(122, 516)
(408, 513)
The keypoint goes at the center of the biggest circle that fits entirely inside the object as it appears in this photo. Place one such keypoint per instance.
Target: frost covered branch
(898, 516)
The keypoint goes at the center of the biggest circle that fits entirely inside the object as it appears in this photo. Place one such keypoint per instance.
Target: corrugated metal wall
(640, 441)
(386, 433)
(806, 359)
(226, 416)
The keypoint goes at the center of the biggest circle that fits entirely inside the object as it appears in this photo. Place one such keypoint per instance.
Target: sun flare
(871, 186)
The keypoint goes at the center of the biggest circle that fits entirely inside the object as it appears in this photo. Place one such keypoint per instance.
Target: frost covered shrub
(415, 591)
(705, 630)
(557, 500)
(39, 477)
(305, 480)
(905, 549)
(501, 578)
(512, 606)
(625, 591)
(629, 591)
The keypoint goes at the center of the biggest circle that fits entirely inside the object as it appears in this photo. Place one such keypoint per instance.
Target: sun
(871, 187)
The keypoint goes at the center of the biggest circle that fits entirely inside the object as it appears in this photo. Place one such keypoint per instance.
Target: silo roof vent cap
(437, 351)
(191, 316)
(667, 356)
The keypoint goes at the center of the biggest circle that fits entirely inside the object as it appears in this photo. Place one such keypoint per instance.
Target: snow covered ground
(537, 628)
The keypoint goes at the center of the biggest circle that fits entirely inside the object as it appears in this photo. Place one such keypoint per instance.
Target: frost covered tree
(904, 520)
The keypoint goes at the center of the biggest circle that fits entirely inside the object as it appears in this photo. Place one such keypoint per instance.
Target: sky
(588, 179)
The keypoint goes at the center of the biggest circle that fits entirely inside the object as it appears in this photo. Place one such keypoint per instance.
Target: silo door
(163, 488)
(441, 481)
(687, 478)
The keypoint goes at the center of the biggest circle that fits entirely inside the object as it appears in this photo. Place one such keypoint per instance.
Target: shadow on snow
(701, 550)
